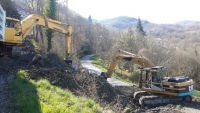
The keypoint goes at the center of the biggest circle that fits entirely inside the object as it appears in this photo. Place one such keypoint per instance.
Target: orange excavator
(155, 88)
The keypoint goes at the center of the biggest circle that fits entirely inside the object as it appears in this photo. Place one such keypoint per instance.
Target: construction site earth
(81, 82)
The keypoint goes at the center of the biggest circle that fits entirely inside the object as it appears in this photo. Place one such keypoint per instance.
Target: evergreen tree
(10, 8)
(50, 12)
(90, 18)
(139, 28)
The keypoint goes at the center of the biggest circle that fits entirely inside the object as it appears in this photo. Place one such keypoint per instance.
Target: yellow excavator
(155, 88)
(13, 32)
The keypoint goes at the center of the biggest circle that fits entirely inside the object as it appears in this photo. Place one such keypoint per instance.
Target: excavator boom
(124, 55)
(155, 89)
(16, 31)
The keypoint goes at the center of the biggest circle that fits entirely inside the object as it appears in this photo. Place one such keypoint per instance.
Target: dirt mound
(60, 74)
(12, 65)
(56, 76)
(48, 61)
(127, 90)
(84, 84)
(102, 92)
(29, 61)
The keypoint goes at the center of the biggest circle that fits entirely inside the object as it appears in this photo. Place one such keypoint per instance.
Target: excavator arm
(124, 55)
(33, 19)
(16, 34)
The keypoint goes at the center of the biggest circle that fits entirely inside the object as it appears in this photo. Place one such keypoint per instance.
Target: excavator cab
(153, 76)
(156, 75)
(12, 31)
(10, 38)
(10, 23)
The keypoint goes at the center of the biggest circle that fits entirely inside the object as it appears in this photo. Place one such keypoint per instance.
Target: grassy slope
(28, 96)
(97, 63)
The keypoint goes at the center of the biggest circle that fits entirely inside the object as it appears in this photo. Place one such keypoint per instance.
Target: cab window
(10, 23)
(156, 76)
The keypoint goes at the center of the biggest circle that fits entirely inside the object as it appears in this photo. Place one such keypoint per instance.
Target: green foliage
(50, 12)
(49, 34)
(34, 43)
(29, 96)
(22, 73)
(139, 28)
(196, 94)
(50, 9)
(23, 95)
(97, 63)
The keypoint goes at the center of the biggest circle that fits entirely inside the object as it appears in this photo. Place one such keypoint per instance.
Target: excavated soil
(80, 82)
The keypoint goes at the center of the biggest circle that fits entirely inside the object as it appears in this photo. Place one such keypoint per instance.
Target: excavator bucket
(69, 62)
(103, 74)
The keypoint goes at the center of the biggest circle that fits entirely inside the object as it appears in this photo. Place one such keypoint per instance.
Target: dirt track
(87, 63)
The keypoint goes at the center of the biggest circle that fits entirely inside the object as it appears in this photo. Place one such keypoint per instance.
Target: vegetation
(179, 56)
(34, 43)
(28, 96)
(96, 62)
(50, 12)
(196, 94)
(139, 28)
(118, 73)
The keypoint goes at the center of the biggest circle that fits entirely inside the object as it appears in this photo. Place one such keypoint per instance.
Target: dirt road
(87, 63)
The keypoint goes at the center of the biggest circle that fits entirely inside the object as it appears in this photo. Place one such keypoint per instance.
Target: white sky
(156, 11)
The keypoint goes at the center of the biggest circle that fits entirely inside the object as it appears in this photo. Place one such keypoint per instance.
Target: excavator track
(155, 100)
(138, 94)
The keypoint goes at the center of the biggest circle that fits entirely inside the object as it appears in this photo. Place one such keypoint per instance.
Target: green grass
(196, 94)
(96, 62)
(116, 74)
(34, 43)
(28, 96)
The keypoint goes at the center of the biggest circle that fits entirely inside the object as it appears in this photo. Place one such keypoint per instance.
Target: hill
(181, 30)
(187, 22)
(124, 22)
(121, 22)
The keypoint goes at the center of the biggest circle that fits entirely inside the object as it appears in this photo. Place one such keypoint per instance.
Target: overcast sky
(156, 11)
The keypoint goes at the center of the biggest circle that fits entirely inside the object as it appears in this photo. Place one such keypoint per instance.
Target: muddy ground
(80, 82)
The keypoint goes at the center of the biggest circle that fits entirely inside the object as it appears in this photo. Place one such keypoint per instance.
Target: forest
(177, 47)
